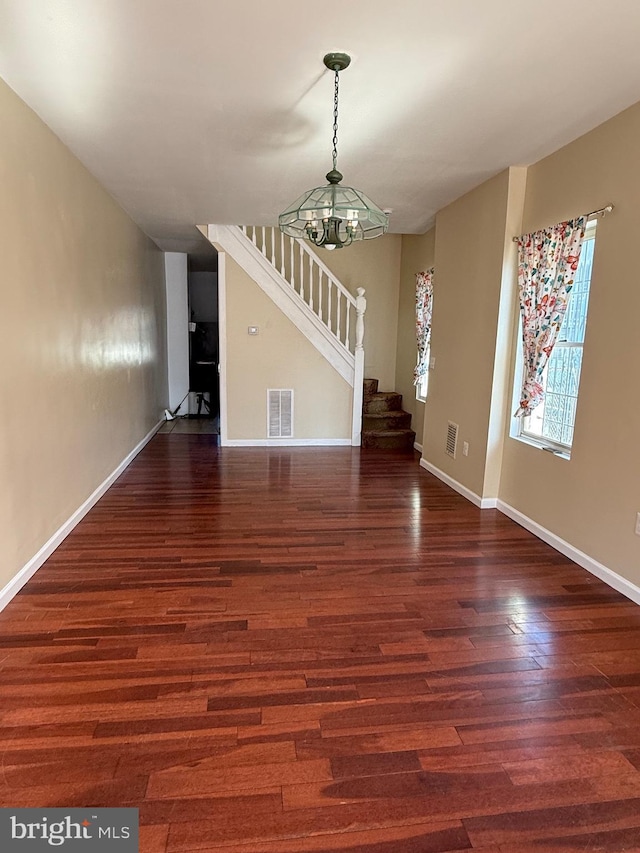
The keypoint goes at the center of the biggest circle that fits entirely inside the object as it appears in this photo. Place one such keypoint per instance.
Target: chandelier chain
(335, 123)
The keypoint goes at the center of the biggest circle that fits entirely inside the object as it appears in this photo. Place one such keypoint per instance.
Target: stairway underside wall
(279, 356)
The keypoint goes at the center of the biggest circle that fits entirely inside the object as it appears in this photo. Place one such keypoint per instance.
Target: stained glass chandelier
(334, 216)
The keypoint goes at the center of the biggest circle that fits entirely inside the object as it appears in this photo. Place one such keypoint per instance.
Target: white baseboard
(417, 447)
(601, 571)
(598, 569)
(483, 503)
(19, 580)
(286, 442)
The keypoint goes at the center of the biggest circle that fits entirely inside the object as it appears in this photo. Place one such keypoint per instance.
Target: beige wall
(82, 348)
(278, 357)
(469, 257)
(418, 252)
(374, 265)
(506, 331)
(591, 500)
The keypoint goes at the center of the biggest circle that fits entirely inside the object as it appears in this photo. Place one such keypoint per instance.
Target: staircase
(306, 291)
(385, 425)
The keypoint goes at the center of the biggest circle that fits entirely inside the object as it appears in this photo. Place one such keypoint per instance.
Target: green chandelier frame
(334, 216)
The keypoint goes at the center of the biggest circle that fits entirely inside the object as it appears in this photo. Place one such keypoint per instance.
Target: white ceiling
(198, 111)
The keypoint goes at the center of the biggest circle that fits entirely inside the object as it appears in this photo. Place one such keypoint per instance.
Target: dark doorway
(204, 383)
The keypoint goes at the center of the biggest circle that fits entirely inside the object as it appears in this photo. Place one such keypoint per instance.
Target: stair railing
(334, 306)
(311, 279)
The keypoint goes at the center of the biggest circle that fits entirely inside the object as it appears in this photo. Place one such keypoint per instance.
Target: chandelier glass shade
(334, 216)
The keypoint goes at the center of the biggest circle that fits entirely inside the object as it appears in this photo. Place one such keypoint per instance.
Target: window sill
(553, 451)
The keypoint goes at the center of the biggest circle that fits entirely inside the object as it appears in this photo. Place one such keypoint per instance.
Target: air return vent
(452, 439)
(280, 412)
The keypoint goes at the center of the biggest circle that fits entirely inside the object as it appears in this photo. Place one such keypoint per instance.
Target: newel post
(358, 375)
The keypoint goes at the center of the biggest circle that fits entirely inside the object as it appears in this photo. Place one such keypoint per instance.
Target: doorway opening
(204, 350)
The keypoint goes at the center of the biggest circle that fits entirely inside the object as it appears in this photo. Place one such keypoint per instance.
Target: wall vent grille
(280, 412)
(452, 439)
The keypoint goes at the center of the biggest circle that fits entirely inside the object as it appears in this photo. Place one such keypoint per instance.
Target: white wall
(175, 264)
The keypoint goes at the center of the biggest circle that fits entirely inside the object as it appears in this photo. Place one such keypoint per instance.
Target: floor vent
(280, 413)
(452, 439)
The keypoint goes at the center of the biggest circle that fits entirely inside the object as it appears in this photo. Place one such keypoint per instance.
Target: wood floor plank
(432, 837)
(320, 650)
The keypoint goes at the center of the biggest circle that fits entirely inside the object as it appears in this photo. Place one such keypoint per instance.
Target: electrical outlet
(638, 524)
(253, 330)
(465, 448)
(432, 362)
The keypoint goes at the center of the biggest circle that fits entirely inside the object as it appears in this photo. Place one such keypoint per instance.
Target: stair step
(386, 420)
(385, 425)
(389, 439)
(383, 401)
(370, 386)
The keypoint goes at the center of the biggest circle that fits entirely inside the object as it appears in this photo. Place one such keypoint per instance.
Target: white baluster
(293, 279)
(314, 283)
(361, 307)
(301, 271)
(346, 325)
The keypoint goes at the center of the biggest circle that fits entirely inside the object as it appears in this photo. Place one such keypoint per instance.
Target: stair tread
(390, 413)
(382, 402)
(389, 432)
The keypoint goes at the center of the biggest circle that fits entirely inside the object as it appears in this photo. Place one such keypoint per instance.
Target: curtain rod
(601, 211)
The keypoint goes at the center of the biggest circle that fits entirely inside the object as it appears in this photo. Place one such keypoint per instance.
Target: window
(423, 384)
(424, 307)
(551, 424)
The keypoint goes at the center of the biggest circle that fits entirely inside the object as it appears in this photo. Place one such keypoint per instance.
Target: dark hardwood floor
(292, 650)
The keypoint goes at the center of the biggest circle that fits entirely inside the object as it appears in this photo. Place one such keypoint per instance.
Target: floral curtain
(547, 261)
(424, 303)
